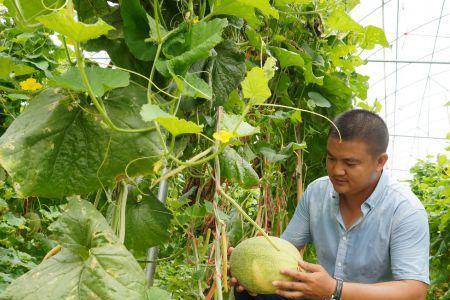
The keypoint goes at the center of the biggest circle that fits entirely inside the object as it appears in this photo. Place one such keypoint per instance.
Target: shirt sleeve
(410, 244)
(297, 232)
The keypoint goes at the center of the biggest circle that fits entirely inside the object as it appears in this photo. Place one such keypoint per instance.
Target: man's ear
(381, 161)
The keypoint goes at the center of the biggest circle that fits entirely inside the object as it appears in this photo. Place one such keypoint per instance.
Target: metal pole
(410, 61)
(152, 253)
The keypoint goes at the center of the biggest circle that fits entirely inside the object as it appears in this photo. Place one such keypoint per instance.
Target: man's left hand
(317, 284)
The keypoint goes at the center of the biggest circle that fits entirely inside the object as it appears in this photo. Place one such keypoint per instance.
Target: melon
(256, 263)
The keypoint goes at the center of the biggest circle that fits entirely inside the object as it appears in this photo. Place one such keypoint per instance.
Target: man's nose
(338, 169)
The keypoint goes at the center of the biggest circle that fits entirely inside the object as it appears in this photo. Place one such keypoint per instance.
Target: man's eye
(330, 158)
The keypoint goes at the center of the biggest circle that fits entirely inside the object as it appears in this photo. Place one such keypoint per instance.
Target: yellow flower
(195, 20)
(223, 136)
(21, 226)
(157, 166)
(30, 85)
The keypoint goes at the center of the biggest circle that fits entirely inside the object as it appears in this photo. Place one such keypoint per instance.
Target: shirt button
(339, 264)
(344, 238)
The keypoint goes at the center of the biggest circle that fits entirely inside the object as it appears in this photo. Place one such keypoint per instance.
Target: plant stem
(197, 267)
(247, 217)
(191, 162)
(123, 204)
(304, 110)
(67, 52)
(97, 104)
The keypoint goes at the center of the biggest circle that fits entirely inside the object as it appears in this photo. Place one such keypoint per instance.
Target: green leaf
(136, 29)
(288, 58)
(197, 44)
(372, 36)
(229, 122)
(227, 70)
(234, 168)
(101, 79)
(310, 77)
(270, 154)
(9, 65)
(255, 86)
(269, 68)
(150, 112)
(179, 126)
(147, 224)
(157, 293)
(173, 124)
(245, 9)
(25, 12)
(78, 31)
(319, 100)
(234, 103)
(359, 84)
(104, 269)
(55, 148)
(341, 21)
(194, 86)
(88, 10)
(154, 29)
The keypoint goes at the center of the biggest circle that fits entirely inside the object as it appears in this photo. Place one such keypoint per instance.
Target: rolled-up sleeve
(410, 244)
(298, 232)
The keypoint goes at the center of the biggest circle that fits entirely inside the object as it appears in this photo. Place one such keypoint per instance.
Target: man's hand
(234, 281)
(317, 284)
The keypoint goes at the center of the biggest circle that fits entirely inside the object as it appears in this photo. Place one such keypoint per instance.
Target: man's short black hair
(362, 125)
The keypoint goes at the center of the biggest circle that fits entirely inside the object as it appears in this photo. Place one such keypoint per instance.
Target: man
(371, 235)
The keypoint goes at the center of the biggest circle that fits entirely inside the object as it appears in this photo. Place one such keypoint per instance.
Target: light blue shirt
(389, 242)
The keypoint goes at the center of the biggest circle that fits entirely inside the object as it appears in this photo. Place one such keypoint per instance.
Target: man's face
(351, 167)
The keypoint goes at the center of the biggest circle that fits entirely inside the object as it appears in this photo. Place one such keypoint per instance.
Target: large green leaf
(136, 29)
(147, 223)
(198, 42)
(228, 70)
(92, 264)
(9, 65)
(340, 20)
(287, 58)
(372, 36)
(78, 31)
(100, 79)
(193, 86)
(25, 12)
(236, 169)
(319, 100)
(245, 9)
(55, 148)
(310, 77)
(157, 293)
(255, 86)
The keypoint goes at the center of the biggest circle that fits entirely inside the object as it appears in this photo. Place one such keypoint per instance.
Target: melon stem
(247, 217)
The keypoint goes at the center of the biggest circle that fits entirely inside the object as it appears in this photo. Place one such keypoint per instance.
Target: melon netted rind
(256, 263)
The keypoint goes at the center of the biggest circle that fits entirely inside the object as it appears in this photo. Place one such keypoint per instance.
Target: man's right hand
(238, 287)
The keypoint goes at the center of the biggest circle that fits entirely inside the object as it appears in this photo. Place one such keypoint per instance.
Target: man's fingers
(289, 285)
(233, 280)
(290, 294)
(309, 266)
(230, 249)
(295, 274)
(240, 288)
